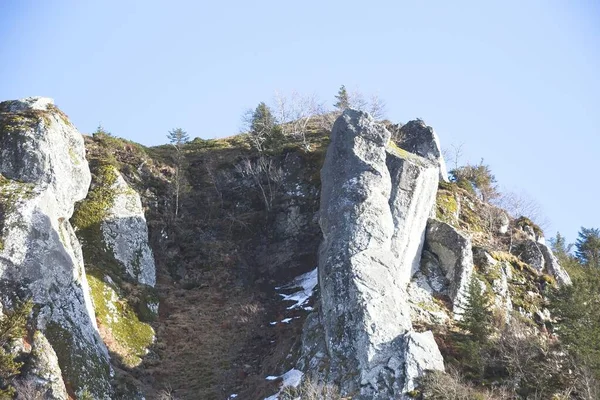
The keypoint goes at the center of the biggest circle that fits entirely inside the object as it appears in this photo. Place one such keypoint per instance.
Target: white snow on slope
(306, 283)
(291, 378)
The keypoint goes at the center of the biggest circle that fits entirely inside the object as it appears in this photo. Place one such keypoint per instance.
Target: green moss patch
(447, 207)
(131, 336)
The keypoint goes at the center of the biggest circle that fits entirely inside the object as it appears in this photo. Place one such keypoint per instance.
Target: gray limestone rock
(412, 199)
(365, 262)
(420, 139)
(453, 252)
(553, 267)
(540, 256)
(125, 232)
(44, 172)
(421, 355)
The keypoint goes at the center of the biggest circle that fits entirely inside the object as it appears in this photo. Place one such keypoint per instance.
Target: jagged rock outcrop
(499, 274)
(540, 256)
(365, 263)
(420, 139)
(452, 254)
(43, 173)
(553, 267)
(125, 232)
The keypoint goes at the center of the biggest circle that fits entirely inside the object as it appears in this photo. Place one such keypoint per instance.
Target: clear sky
(515, 81)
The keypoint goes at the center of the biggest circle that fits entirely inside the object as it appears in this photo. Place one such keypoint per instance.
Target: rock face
(453, 255)
(125, 232)
(414, 188)
(43, 173)
(365, 263)
(540, 256)
(420, 139)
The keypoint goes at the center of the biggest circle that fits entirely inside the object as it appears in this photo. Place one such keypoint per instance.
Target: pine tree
(265, 134)
(575, 308)
(343, 99)
(476, 317)
(178, 138)
(262, 120)
(588, 247)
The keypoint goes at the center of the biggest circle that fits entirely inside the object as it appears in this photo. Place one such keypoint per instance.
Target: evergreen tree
(101, 131)
(178, 137)
(343, 99)
(265, 134)
(263, 120)
(562, 251)
(477, 179)
(575, 308)
(588, 247)
(476, 317)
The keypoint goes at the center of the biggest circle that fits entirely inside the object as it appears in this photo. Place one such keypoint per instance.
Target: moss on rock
(132, 336)
(82, 370)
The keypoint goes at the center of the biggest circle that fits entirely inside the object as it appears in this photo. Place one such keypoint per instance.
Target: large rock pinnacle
(373, 227)
(43, 172)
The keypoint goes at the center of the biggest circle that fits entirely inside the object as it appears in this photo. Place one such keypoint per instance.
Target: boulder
(420, 139)
(454, 256)
(421, 354)
(43, 172)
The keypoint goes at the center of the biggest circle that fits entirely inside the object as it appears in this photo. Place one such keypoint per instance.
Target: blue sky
(515, 81)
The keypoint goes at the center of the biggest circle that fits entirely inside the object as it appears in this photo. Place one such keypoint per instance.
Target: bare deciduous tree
(295, 112)
(377, 107)
(265, 175)
(520, 204)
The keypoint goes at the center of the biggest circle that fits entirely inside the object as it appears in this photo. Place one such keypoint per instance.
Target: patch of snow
(271, 378)
(233, 396)
(307, 283)
(291, 378)
(286, 320)
(273, 323)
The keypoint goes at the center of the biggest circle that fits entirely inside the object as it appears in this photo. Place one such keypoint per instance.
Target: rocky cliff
(134, 302)
(44, 172)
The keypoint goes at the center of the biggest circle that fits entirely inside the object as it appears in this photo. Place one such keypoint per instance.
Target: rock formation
(454, 257)
(124, 231)
(43, 173)
(420, 139)
(365, 262)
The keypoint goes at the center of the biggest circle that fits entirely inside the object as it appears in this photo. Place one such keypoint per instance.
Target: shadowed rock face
(42, 161)
(454, 256)
(373, 224)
